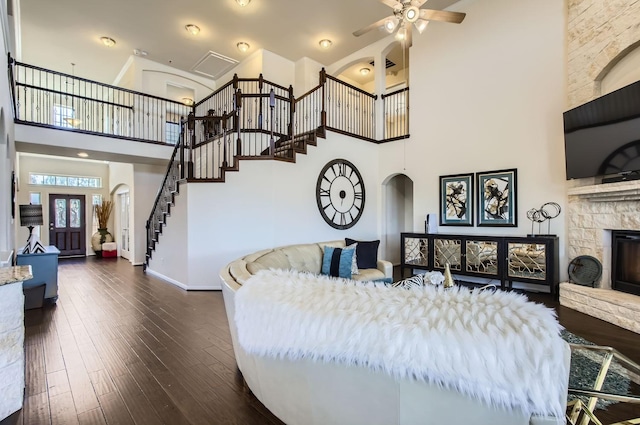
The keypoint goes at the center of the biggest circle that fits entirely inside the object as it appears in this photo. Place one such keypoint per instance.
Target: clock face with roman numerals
(340, 194)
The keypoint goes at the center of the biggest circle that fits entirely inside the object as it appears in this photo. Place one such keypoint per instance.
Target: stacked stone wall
(599, 34)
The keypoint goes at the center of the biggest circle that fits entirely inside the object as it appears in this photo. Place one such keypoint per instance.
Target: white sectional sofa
(313, 392)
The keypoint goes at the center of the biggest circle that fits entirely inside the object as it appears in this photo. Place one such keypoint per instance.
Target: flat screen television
(602, 137)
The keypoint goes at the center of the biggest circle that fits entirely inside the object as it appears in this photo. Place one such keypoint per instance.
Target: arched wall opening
(397, 214)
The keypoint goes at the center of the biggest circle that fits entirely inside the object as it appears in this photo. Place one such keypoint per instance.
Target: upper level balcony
(110, 121)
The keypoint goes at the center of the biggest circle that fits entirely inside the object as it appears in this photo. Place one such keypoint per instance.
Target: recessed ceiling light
(193, 29)
(243, 3)
(243, 47)
(187, 101)
(325, 43)
(365, 71)
(83, 155)
(108, 41)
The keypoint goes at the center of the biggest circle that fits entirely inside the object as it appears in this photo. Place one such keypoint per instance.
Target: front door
(67, 229)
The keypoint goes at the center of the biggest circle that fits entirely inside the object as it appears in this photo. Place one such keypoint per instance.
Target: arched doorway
(397, 205)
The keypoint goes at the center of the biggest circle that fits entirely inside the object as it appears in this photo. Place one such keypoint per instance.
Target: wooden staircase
(286, 149)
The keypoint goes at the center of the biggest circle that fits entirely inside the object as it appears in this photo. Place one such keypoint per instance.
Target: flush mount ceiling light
(73, 122)
(187, 101)
(365, 71)
(108, 41)
(243, 3)
(325, 43)
(242, 46)
(83, 155)
(192, 29)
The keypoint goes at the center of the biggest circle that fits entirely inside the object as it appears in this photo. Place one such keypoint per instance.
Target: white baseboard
(182, 285)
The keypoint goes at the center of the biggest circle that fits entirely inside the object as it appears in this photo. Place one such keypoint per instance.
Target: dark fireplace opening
(625, 261)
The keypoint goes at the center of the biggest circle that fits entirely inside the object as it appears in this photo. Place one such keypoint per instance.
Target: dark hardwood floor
(122, 347)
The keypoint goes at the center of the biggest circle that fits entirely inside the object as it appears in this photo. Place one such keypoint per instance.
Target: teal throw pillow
(337, 261)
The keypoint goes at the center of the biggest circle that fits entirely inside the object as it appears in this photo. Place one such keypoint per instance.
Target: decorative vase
(100, 237)
(448, 279)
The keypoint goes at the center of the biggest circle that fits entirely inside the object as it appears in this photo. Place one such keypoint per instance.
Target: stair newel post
(192, 142)
(292, 111)
(323, 111)
(225, 152)
(235, 81)
(238, 109)
(183, 133)
(272, 105)
(260, 112)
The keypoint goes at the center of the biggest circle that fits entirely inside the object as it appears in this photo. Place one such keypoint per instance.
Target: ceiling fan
(407, 12)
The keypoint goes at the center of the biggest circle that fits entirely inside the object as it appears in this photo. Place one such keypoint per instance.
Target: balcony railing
(396, 114)
(56, 100)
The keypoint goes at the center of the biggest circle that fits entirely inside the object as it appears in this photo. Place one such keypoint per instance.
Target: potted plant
(102, 212)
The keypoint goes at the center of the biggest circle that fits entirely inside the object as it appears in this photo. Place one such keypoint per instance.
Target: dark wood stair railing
(52, 99)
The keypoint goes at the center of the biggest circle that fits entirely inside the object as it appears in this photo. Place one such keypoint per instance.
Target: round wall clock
(340, 194)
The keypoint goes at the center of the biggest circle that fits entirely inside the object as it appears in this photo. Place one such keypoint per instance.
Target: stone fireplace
(594, 213)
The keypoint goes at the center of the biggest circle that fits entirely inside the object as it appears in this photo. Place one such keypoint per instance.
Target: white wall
(170, 259)
(488, 95)
(146, 183)
(307, 75)
(7, 145)
(267, 204)
(59, 166)
(277, 69)
(151, 77)
(250, 67)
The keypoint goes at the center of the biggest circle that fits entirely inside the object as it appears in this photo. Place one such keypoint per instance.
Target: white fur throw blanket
(493, 346)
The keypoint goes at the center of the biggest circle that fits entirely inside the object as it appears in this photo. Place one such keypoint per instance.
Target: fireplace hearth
(625, 261)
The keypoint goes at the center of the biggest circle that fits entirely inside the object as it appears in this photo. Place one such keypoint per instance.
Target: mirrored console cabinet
(507, 259)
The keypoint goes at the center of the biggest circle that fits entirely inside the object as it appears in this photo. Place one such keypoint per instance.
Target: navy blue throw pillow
(366, 253)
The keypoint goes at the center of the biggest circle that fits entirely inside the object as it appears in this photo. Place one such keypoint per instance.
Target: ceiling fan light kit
(407, 12)
(390, 24)
(421, 25)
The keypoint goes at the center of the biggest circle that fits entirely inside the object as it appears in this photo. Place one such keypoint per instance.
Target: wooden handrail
(62, 74)
(359, 90)
(308, 93)
(62, 93)
(382, 96)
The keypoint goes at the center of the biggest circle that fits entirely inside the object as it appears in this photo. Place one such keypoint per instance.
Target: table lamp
(31, 216)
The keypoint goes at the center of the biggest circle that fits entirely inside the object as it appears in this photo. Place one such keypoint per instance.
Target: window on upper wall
(35, 198)
(62, 115)
(68, 181)
(172, 132)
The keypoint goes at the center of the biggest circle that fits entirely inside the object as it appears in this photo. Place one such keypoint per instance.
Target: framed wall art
(497, 200)
(456, 200)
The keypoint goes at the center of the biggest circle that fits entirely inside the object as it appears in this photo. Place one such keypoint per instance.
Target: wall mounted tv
(602, 137)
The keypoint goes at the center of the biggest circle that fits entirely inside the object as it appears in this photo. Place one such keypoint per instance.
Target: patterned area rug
(585, 366)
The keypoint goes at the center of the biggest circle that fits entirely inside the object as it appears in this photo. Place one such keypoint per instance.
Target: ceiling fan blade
(394, 4)
(442, 15)
(370, 27)
(408, 42)
(418, 3)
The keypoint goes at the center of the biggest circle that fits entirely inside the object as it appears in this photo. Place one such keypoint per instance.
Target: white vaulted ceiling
(55, 34)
